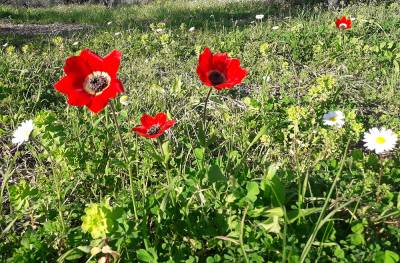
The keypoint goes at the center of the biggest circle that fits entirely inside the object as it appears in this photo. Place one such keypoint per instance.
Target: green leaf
(339, 252)
(166, 151)
(357, 228)
(296, 214)
(272, 186)
(271, 225)
(277, 211)
(145, 256)
(71, 254)
(215, 174)
(386, 257)
(199, 154)
(252, 191)
(357, 239)
(262, 131)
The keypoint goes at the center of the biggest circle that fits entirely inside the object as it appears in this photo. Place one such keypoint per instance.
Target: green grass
(266, 183)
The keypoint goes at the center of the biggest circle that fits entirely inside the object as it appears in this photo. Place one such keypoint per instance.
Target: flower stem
(381, 170)
(342, 38)
(205, 109)
(114, 118)
(241, 235)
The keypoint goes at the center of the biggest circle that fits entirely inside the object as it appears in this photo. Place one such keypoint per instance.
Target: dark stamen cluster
(153, 129)
(216, 78)
(98, 83)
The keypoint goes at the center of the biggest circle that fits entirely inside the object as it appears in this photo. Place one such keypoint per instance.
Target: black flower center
(98, 83)
(216, 78)
(154, 129)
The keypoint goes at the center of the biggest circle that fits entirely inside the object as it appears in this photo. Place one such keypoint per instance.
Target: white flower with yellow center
(21, 134)
(334, 118)
(380, 140)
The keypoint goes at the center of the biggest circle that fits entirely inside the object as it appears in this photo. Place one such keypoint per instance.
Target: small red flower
(153, 127)
(91, 80)
(343, 23)
(219, 71)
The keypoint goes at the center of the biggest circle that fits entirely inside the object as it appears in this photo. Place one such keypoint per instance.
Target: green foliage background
(255, 188)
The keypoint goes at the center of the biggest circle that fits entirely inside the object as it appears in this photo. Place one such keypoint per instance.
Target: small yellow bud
(124, 100)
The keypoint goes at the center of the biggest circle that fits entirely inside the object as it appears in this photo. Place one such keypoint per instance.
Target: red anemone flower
(91, 80)
(153, 127)
(219, 71)
(343, 23)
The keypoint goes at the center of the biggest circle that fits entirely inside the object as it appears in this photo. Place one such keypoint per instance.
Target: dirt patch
(36, 29)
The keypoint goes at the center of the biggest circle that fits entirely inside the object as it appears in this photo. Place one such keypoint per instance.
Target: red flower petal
(79, 98)
(147, 120)
(221, 63)
(100, 101)
(112, 62)
(93, 61)
(167, 125)
(140, 129)
(77, 68)
(76, 95)
(205, 64)
(161, 118)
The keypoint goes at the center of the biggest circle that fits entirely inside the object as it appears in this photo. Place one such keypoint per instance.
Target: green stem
(129, 168)
(325, 206)
(114, 118)
(241, 235)
(205, 109)
(6, 176)
(342, 38)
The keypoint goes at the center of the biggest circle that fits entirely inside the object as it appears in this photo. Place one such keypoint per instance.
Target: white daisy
(75, 43)
(259, 17)
(275, 27)
(191, 29)
(21, 134)
(334, 118)
(117, 34)
(380, 140)
(124, 100)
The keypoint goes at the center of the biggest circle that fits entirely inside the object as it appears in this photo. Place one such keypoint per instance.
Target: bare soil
(36, 29)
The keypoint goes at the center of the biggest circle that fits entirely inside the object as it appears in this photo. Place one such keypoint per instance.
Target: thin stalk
(342, 38)
(381, 170)
(241, 235)
(325, 206)
(205, 109)
(7, 175)
(114, 118)
(284, 238)
(129, 168)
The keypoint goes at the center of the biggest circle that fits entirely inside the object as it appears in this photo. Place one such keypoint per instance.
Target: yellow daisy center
(333, 119)
(380, 140)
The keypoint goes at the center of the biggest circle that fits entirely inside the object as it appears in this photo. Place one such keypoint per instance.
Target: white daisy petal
(380, 140)
(334, 118)
(22, 133)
